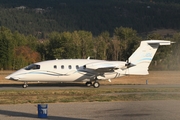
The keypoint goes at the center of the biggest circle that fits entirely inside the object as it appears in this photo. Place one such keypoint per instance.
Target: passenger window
(77, 66)
(69, 66)
(55, 66)
(62, 66)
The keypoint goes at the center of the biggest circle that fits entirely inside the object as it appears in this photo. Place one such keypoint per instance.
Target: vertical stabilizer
(143, 56)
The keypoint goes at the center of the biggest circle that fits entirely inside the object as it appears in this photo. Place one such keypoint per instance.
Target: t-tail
(142, 57)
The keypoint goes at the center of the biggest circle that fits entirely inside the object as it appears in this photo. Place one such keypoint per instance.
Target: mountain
(39, 17)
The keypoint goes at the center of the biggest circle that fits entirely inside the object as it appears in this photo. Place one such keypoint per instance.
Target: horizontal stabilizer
(159, 42)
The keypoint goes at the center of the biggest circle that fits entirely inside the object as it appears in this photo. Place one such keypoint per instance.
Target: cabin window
(32, 67)
(55, 66)
(77, 66)
(62, 66)
(69, 66)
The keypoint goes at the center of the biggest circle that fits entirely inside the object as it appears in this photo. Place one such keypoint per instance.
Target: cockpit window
(32, 67)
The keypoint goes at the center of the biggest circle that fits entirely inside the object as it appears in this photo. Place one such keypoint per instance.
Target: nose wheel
(25, 85)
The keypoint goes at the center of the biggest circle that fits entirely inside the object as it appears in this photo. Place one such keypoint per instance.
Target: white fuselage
(69, 70)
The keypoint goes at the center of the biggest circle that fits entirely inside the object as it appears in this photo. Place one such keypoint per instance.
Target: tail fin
(143, 56)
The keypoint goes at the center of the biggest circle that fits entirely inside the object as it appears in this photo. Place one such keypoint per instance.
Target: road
(134, 110)
(78, 86)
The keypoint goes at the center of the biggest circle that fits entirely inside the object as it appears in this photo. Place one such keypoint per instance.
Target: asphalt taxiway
(81, 86)
(134, 110)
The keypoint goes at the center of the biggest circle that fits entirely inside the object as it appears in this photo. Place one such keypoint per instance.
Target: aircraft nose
(7, 77)
(12, 78)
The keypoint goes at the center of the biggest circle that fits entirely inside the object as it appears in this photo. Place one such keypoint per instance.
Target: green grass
(87, 95)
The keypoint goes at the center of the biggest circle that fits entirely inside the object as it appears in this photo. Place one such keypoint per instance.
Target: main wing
(99, 70)
(108, 66)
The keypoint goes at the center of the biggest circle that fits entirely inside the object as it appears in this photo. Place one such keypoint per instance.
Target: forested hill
(39, 17)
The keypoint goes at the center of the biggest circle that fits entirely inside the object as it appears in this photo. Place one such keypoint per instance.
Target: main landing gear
(95, 84)
(25, 85)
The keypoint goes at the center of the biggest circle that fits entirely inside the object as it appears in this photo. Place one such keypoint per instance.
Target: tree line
(18, 50)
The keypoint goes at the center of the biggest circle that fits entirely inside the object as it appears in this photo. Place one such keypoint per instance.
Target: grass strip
(87, 95)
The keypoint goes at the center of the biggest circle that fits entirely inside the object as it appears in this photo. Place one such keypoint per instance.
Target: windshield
(32, 67)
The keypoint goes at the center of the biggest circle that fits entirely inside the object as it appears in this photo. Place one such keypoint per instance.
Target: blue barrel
(42, 110)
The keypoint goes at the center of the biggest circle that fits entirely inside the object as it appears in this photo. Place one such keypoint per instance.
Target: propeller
(128, 64)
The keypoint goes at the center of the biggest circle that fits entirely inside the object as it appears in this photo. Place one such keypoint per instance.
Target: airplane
(89, 70)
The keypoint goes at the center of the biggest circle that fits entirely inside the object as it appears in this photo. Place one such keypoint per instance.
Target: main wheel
(96, 84)
(88, 84)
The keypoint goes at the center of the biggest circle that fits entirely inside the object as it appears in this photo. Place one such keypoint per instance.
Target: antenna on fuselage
(88, 58)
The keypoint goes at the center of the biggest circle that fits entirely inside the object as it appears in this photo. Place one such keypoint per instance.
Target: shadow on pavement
(11, 114)
(32, 85)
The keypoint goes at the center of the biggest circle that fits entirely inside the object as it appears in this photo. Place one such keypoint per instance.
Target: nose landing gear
(25, 85)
